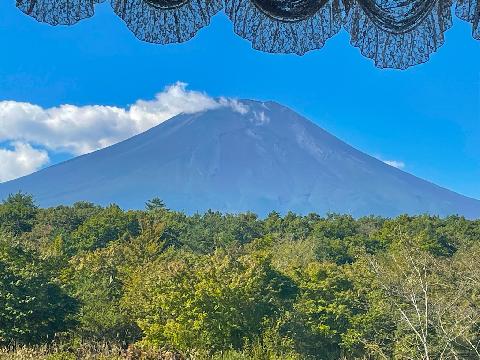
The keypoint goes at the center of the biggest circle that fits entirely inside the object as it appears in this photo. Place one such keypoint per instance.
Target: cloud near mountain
(395, 163)
(20, 159)
(82, 129)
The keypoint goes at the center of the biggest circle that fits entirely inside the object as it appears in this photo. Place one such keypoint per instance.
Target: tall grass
(103, 351)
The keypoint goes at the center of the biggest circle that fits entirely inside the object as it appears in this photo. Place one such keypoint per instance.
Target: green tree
(33, 307)
(324, 310)
(64, 219)
(17, 214)
(155, 204)
(211, 302)
(423, 232)
(432, 304)
(96, 279)
(105, 226)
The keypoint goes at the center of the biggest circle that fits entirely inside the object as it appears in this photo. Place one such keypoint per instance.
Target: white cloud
(395, 163)
(260, 118)
(82, 129)
(21, 160)
(235, 105)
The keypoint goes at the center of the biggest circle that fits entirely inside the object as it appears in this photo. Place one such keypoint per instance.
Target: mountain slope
(267, 158)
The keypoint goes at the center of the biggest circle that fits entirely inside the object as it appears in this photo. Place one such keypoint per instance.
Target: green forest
(86, 281)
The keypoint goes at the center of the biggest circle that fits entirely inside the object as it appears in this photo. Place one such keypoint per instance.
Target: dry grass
(105, 352)
(55, 353)
(87, 352)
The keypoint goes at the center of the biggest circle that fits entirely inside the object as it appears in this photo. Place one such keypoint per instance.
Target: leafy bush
(33, 308)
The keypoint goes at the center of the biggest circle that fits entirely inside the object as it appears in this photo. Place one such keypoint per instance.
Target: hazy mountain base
(219, 286)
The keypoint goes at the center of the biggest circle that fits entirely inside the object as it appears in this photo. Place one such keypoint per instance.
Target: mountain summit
(257, 156)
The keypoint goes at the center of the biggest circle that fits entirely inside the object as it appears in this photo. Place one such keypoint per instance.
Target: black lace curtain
(394, 33)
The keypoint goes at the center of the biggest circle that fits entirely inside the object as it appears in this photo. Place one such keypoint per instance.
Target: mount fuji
(259, 158)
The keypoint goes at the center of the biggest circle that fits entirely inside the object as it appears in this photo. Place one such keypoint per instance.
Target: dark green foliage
(33, 308)
(156, 204)
(213, 302)
(107, 225)
(427, 232)
(96, 280)
(17, 214)
(283, 287)
(66, 219)
(325, 309)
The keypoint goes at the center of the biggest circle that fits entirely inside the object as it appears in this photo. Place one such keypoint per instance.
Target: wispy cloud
(395, 163)
(260, 118)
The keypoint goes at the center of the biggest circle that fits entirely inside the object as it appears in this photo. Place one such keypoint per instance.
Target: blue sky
(427, 117)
